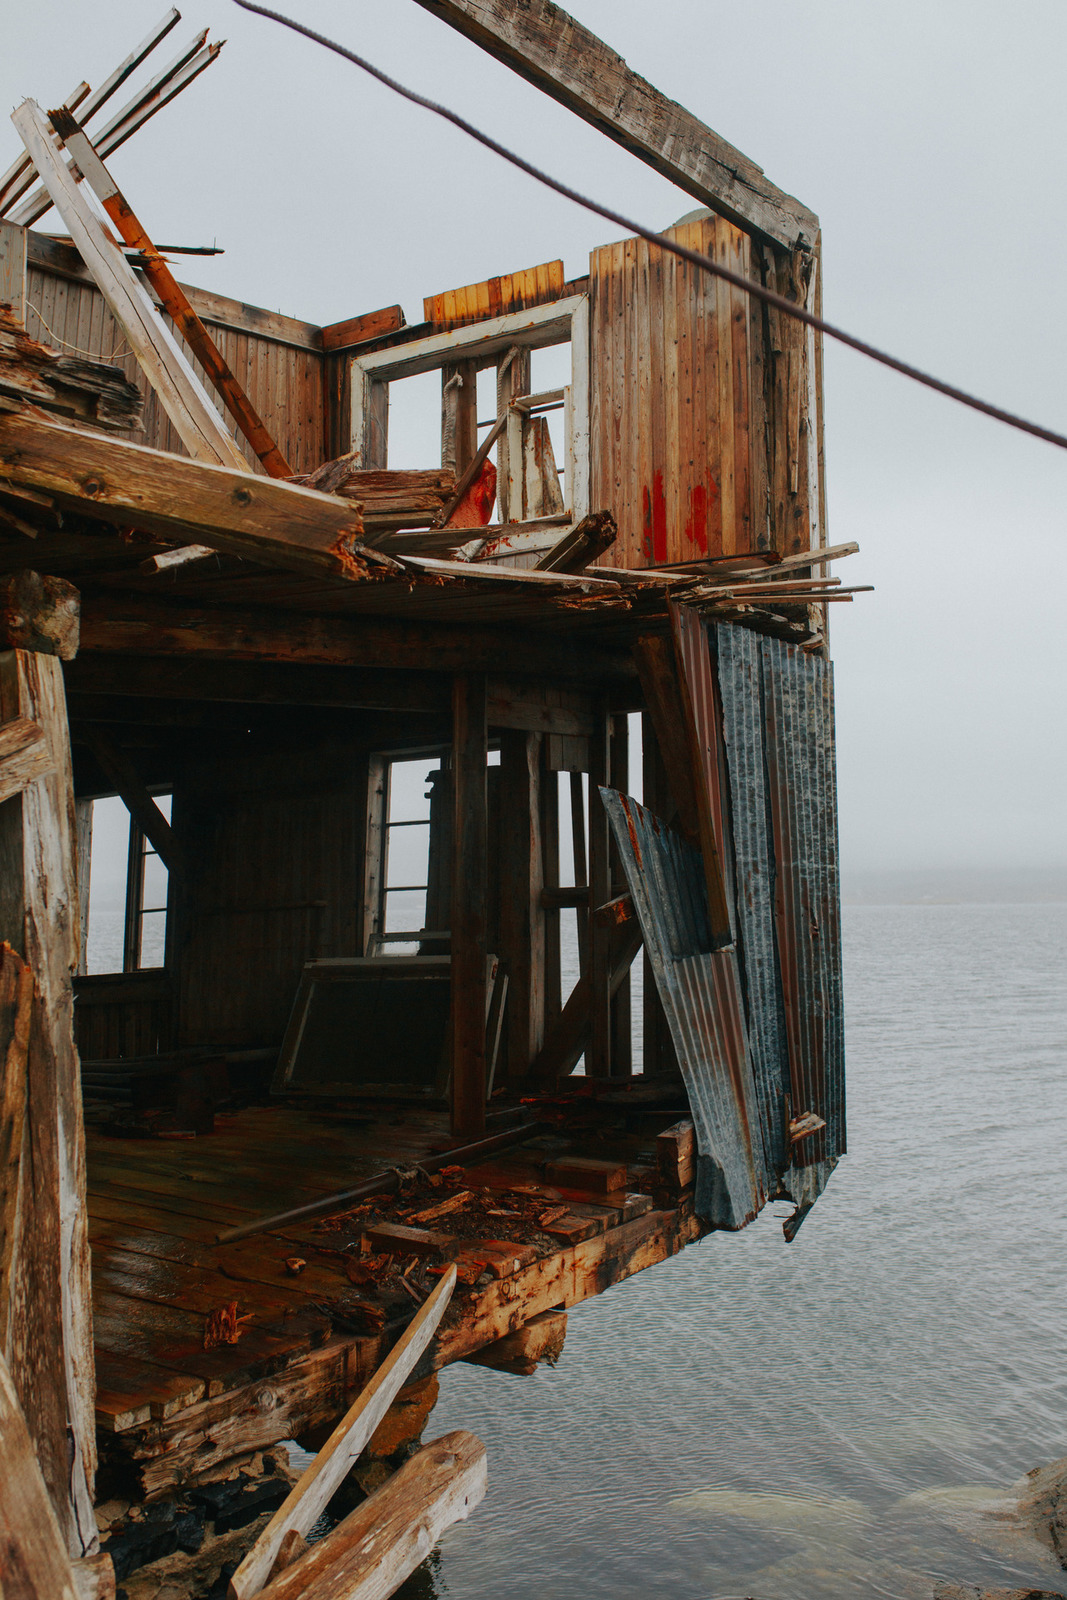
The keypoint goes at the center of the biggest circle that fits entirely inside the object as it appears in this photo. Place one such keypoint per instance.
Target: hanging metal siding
(701, 996)
(739, 662)
(799, 742)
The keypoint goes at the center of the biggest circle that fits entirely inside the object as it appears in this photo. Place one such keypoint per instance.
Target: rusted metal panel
(701, 993)
(799, 742)
(739, 676)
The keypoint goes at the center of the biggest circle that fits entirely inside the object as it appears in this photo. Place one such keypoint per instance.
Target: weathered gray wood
(34, 1563)
(302, 1507)
(24, 756)
(553, 51)
(370, 1553)
(469, 896)
(39, 919)
(13, 269)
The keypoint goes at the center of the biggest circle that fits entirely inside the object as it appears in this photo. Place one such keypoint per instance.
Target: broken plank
(311, 1494)
(370, 1553)
(182, 501)
(586, 1173)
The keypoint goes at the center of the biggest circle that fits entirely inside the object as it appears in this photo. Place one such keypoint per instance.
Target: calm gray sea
(784, 1421)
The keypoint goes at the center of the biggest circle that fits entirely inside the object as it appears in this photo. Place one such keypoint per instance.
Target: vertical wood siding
(284, 383)
(704, 433)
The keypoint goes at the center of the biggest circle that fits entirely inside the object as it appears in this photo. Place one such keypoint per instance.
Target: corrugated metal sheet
(701, 995)
(740, 683)
(758, 1029)
(799, 741)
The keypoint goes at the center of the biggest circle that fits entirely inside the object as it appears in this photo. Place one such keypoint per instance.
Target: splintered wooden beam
(170, 293)
(183, 501)
(370, 1553)
(553, 51)
(24, 756)
(35, 1563)
(308, 1498)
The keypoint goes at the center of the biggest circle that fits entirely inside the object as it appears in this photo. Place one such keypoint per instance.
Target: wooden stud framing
(469, 896)
(522, 916)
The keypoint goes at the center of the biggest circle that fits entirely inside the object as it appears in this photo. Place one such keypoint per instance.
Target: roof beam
(548, 48)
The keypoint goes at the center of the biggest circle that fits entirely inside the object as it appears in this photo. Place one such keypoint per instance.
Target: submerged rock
(830, 1521)
(1042, 1505)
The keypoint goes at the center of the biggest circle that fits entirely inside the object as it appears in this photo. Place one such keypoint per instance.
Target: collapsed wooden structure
(269, 631)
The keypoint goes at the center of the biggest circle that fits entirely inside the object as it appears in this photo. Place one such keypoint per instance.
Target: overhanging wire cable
(747, 285)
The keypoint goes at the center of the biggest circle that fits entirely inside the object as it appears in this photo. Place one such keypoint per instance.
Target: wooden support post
(35, 1563)
(13, 269)
(550, 870)
(459, 415)
(598, 1059)
(659, 1055)
(621, 1027)
(45, 1306)
(580, 856)
(522, 916)
(513, 377)
(469, 896)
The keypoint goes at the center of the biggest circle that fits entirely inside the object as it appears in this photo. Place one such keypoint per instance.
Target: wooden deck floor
(170, 1409)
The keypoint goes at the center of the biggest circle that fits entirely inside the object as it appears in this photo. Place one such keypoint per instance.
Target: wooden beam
(539, 1340)
(183, 501)
(171, 294)
(522, 914)
(120, 770)
(35, 1563)
(13, 269)
(148, 628)
(358, 330)
(470, 753)
(370, 1553)
(568, 1037)
(555, 53)
(39, 613)
(47, 1337)
(24, 756)
(180, 391)
(308, 1498)
(495, 297)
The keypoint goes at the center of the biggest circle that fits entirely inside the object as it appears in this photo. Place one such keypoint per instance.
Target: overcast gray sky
(932, 142)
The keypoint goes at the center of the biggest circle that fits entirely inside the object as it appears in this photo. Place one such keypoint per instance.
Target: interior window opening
(126, 929)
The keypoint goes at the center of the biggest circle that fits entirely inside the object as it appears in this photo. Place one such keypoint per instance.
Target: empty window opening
(128, 892)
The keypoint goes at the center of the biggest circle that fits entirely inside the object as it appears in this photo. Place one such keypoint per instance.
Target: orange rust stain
(635, 843)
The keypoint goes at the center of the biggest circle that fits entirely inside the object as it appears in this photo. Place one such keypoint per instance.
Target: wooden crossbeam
(553, 51)
(120, 770)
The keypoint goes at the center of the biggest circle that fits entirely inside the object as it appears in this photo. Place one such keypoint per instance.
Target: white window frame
(533, 329)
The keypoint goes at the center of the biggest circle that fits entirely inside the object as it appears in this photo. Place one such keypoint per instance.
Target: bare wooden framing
(470, 753)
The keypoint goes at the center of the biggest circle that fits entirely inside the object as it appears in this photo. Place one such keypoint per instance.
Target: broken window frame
(557, 322)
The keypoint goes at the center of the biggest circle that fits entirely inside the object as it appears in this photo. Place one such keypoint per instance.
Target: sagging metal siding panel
(701, 995)
(799, 741)
(739, 662)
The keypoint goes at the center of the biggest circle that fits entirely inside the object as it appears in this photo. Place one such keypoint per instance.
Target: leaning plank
(35, 1564)
(180, 391)
(120, 770)
(584, 543)
(370, 1553)
(551, 50)
(171, 294)
(24, 756)
(308, 1498)
(181, 500)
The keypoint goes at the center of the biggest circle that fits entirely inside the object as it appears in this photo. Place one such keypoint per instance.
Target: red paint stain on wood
(696, 526)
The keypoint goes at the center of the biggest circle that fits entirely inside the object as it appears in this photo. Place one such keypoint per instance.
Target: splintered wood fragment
(224, 1326)
(40, 613)
(676, 1154)
(615, 913)
(587, 1173)
(443, 1208)
(74, 386)
(583, 544)
(804, 1126)
(370, 1553)
(24, 756)
(308, 1499)
(167, 560)
(35, 1564)
(394, 1237)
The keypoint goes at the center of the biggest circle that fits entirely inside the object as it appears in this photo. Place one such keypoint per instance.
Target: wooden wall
(274, 358)
(703, 419)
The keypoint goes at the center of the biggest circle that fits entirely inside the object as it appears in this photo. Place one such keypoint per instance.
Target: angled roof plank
(551, 50)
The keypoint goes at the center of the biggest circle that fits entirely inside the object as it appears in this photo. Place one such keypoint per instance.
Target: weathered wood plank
(35, 1563)
(370, 1553)
(309, 1497)
(511, 291)
(358, 330)
(24, 756)
(553, 51)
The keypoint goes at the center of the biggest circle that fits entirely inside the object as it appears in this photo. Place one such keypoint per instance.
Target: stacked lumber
(89, 391)
(387, 499)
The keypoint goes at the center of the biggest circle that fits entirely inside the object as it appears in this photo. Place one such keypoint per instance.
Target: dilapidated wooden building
(374, 731)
